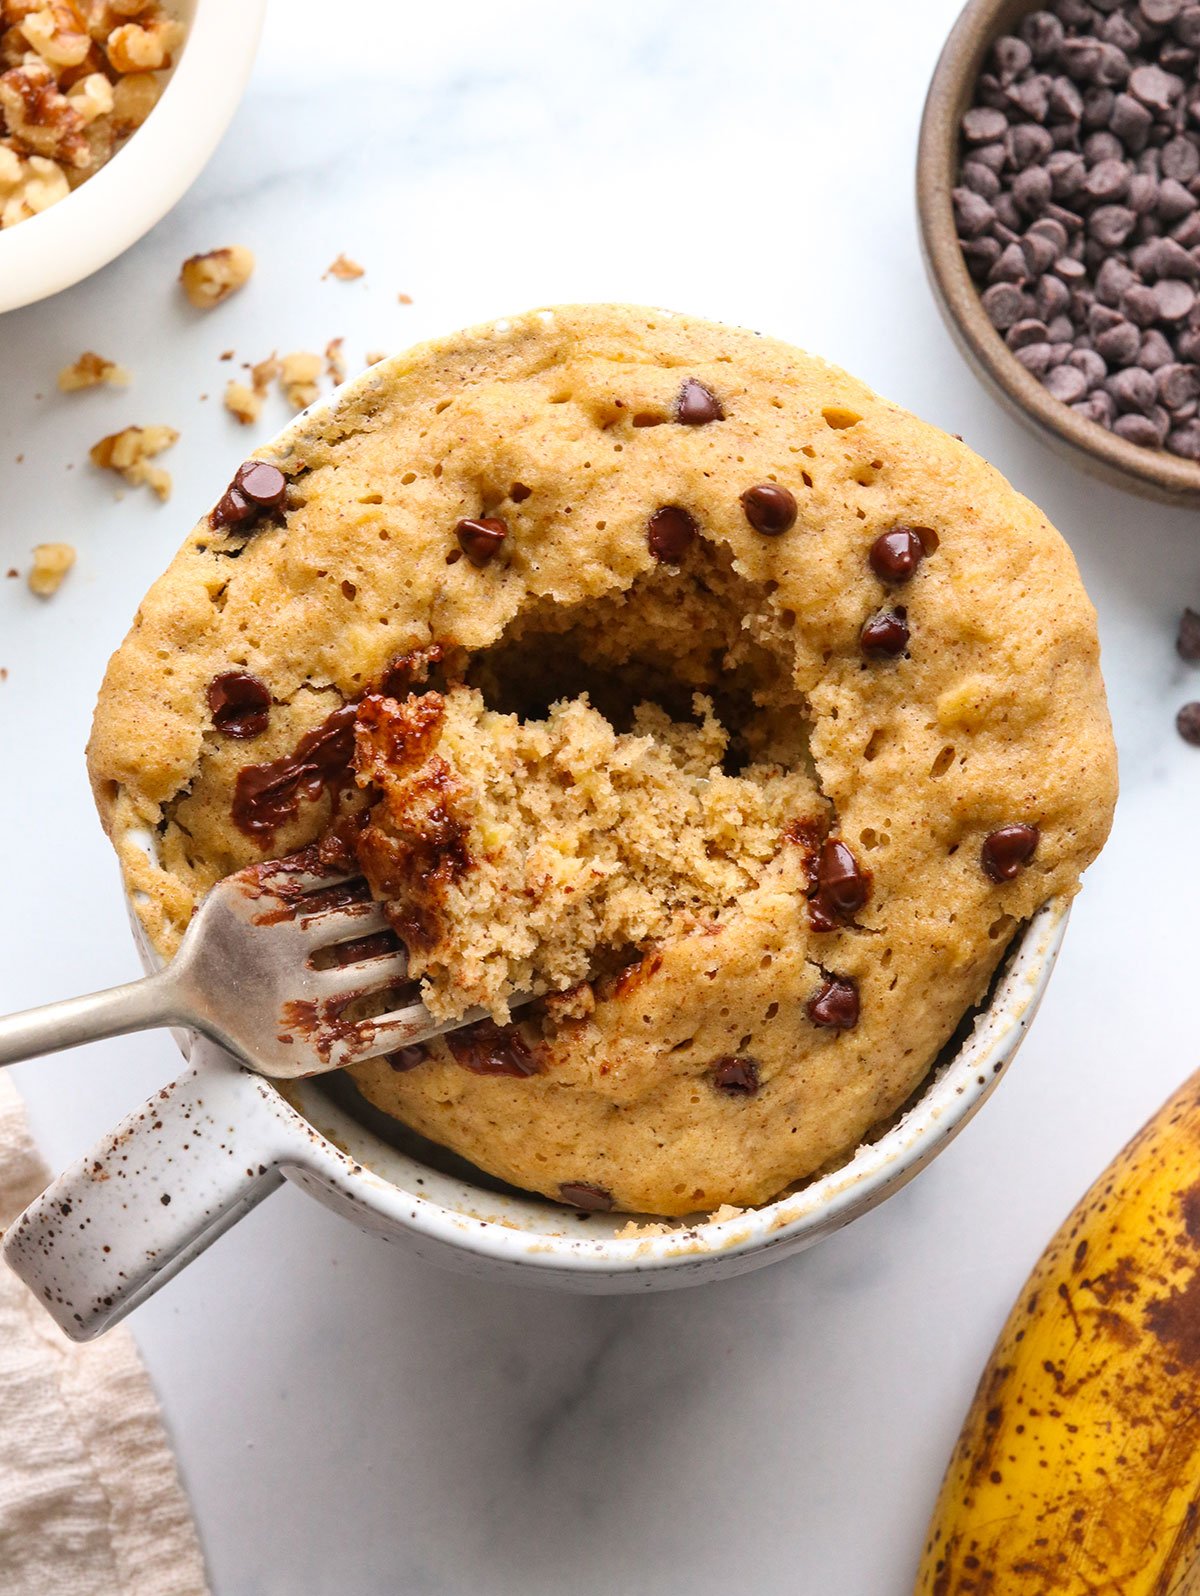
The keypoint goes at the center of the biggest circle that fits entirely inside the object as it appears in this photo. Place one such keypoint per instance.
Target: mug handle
(125, 1218)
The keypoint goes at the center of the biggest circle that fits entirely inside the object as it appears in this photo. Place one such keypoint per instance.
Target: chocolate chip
(1006, 851)
(263, 484)
(769, 508)
(407, 1058)
(670, 533)
(736, 1076)
(981, 125)
(697, 405)
(1175, 299)
(1004, 304)
(518, 493)
(885, 635)
(973, 215)
(1111, 225)
(480, 539)
(486, 1048)
(1066, 384)
(836, 1004)
(1188, 641)
(580, 1195)
(1139, 429)
(841, 884)
(895, 555)
(1160, 12)
(232, 509)
(240, 704)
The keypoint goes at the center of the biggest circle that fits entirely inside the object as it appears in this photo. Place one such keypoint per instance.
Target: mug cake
(707, 722)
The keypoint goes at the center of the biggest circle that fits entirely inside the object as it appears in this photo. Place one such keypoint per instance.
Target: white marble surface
(347, 1420)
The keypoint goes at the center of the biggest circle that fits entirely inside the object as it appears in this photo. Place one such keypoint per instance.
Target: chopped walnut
(208, 279)
(28, 185)
(345, 269)
(77, 77)
(129, 453)
(58, 33)
(51, 562)
(242, 402)
(91, 97)
(134, 97)
(144, 46)
(299, 378)
(335, 361)
(90, 371)
(39, 118)
(405, 299)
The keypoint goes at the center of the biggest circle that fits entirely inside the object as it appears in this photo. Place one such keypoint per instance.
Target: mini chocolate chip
(670, 533)
(1187, 723)
(1006, 850)
(1188, 641)
(737, 1076)
(895, 555)
(981, 125)
(885, 635)
(407, 1058)
(770, 508)
(240, 704)
(480, 539)
(697, 405)
(262, 483)
(840, 881)
(580, 1195)
(1175, 299)
(518, 493)
(836, 1005)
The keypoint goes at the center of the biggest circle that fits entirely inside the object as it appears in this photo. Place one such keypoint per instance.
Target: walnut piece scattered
(299, 378)
(242, 402)
(129, 453)
(90, 371)
(77, 77)
(345, 269)
(208, 279)
(264, 373)
(374, 356)
(335, 361)
(51, 562)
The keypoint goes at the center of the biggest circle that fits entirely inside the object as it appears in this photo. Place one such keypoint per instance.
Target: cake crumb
(226, 354)
(242, 403)
(374, 356)
(634, 1231)
(405, 299)
(209, 279)
(12, 572)
(51, 562)
(335, 361)
(129, 453)
(91, 371)
(344, 269)
(298, 377)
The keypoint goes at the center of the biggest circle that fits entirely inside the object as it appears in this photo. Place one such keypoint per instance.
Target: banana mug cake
(655, 669)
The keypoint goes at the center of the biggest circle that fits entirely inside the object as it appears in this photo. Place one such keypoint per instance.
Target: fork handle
(136, 1006)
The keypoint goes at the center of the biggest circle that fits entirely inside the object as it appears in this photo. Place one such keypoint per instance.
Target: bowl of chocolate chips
(1058, 192)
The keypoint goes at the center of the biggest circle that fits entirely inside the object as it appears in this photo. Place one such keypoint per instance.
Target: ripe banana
(1077, 1472)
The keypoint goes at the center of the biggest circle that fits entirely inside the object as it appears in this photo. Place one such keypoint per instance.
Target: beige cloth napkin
(90, 1501)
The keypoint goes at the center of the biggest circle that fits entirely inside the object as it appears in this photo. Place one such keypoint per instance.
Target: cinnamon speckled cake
(653, 667)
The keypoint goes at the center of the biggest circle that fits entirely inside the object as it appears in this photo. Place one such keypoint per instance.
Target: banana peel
(1077, 1472)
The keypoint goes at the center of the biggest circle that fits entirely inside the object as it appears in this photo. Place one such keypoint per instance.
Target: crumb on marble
(51, 562)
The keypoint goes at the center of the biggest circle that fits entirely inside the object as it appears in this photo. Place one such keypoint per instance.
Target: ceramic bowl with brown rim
(1152, 472)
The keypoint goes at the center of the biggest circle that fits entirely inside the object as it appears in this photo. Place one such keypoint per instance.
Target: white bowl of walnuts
(109, 109)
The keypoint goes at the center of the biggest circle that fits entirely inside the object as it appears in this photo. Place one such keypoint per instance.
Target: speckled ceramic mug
(206, 1149)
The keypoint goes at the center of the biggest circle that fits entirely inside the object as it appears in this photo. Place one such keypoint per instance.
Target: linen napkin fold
(90, 1500)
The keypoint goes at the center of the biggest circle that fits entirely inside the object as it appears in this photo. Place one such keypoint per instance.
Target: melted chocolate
(490, 1049)
(265, 796)
(240, 704)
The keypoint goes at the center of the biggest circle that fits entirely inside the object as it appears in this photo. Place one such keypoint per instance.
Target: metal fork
(278, 964)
